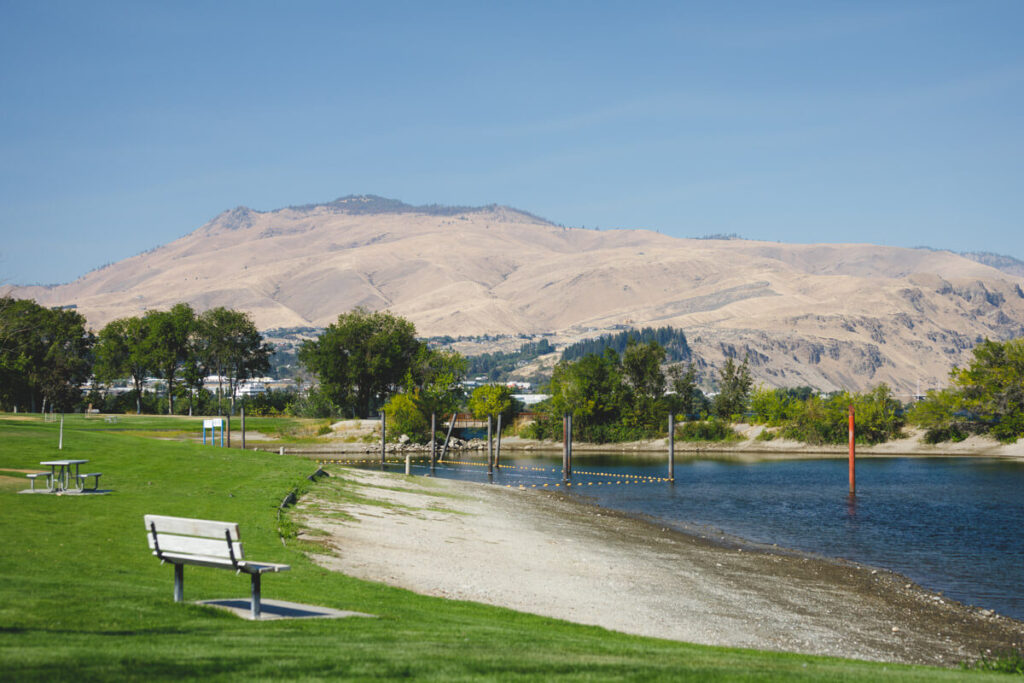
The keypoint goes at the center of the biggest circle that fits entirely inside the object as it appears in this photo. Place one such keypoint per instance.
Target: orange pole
(853, 455)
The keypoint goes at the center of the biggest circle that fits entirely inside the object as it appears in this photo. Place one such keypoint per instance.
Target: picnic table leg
(179, 582)
(256, 596)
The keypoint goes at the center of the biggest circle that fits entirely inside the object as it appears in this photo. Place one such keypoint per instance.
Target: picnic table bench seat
(82, 478)
(32, 476)
(204, 543)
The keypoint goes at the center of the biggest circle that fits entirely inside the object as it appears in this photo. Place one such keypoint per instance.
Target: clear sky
(125, 125)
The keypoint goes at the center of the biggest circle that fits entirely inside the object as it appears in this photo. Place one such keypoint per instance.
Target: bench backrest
(200, 537)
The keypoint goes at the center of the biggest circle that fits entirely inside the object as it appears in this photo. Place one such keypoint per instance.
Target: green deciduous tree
(436, 377)
(43, 352)
(362, 358)
(991, 388)
(492, 400)
(734, 387)
(122, 351)
(232, 348)
(687, 399)
(168, 343)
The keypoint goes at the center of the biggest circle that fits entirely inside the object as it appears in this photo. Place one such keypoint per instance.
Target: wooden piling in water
(569, 459)
(451, 426)
(433, 441)
(490, 453)
(497, 447)
(565, 448)
(672, 448)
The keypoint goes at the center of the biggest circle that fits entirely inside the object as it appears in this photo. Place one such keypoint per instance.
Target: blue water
(950, 524)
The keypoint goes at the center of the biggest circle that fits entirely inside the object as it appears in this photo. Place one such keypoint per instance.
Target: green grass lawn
(289, 429)
(81, 597)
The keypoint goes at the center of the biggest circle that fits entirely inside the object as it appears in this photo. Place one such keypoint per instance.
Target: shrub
(405, 417)
(712, 429)
(314, 404)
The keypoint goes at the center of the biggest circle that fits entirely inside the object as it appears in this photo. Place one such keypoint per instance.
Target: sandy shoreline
(749, 445)
(537, 552)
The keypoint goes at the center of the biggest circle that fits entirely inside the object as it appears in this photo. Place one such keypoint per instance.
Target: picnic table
(60, 472)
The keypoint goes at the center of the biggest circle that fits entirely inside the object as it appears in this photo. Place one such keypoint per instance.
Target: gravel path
(537, 552)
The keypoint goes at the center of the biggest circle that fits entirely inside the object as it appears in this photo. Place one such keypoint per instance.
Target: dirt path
(537, 552)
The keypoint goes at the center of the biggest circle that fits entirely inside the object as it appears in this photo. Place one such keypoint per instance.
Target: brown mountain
(828, 315)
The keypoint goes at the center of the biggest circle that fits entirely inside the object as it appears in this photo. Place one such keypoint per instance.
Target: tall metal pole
(243, 426)
(672, 447)
(853, 454)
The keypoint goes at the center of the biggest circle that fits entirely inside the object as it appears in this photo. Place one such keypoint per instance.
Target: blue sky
(127, 125)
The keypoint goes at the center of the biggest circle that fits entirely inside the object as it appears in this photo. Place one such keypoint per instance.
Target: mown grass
(81, 598)
(287, 429)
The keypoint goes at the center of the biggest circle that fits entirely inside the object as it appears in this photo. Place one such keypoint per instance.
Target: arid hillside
(828, 315)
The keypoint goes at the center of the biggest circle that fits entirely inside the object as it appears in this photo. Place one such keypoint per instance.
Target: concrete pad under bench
(280, 609)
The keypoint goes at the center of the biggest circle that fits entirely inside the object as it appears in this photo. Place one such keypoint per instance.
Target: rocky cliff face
(832, 316)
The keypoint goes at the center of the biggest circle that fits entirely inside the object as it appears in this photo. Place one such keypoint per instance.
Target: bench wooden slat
(192, 527)
(193, 545)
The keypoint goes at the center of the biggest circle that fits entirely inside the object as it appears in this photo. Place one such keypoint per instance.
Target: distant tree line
(47, 355)
(498, 365)
(615, 397)
(672, 340)
(182, 348)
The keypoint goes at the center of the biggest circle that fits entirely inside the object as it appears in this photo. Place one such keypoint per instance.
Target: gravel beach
(536, 551)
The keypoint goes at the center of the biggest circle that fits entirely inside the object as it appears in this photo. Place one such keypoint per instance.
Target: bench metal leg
(256, 596)
(179, 582)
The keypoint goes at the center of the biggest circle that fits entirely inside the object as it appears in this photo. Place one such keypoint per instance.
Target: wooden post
(408, 464)
(433, 441)
(672, 447)
(568, 462)
(227, 420)
(497, 447)
(383, 436)
(490, 451)
(451, 426)
(853, 454)
(565, 448)
(243, 426)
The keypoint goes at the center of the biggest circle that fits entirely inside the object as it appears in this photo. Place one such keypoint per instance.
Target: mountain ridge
(827, 315)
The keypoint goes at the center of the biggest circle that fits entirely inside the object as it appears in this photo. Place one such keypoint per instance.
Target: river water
(954, 525)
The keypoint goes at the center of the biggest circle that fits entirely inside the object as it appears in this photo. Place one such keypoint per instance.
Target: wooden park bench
(205, 543)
